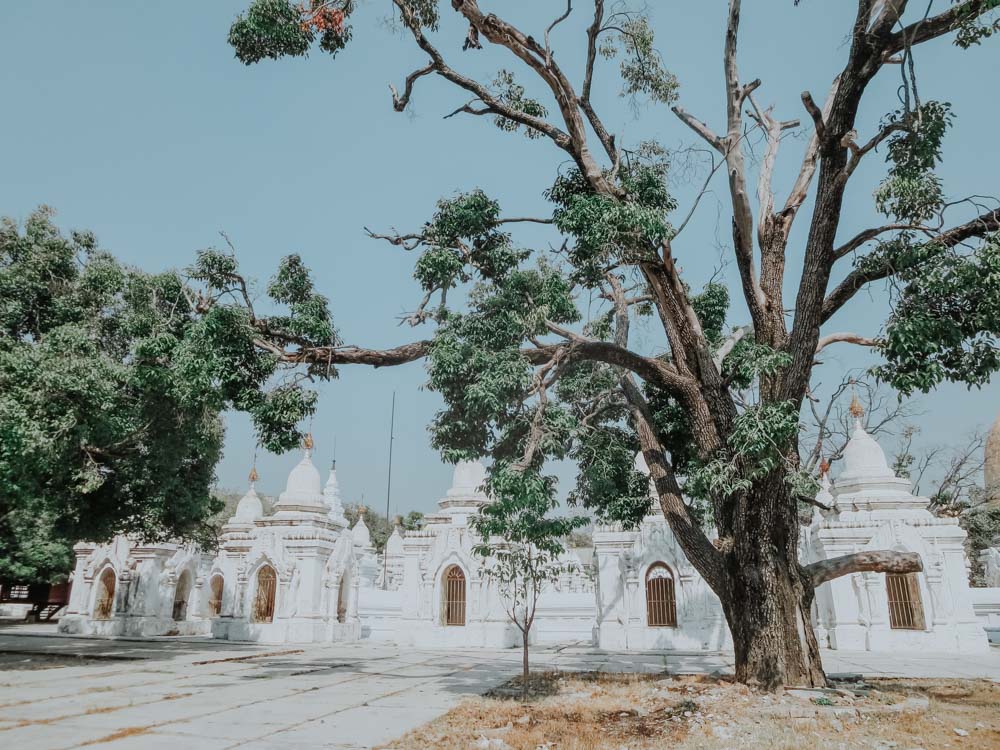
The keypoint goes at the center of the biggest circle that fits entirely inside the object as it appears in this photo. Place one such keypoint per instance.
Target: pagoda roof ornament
(856, 409)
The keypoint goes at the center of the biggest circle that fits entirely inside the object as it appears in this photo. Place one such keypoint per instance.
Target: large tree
(112, 385)
(716, 412)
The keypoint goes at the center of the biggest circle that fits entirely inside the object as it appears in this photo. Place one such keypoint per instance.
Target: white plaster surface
(198, 694)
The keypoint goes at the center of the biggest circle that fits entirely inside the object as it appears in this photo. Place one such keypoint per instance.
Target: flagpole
(388, 490)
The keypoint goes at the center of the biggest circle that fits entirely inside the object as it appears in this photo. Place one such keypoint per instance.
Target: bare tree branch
(859, 278)
(844, 338)
(881, 561)
(399, 102)
(926, 29)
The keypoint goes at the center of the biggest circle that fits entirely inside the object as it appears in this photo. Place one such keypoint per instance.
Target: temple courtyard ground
(187, 694)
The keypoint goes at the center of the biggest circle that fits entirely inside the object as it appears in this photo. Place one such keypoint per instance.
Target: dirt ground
(600, 711)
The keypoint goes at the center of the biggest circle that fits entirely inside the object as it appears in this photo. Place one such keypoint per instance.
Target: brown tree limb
(926, 29)
(799, 191)
(699, 550)
(528, 50)
(350, 355)
(700, 128)
(881, 561)
(844, 338)
(399, 102)
(863, 63)
(869, 234)
(736, 94)
(593, 31)
(857, 279)
(560, 138)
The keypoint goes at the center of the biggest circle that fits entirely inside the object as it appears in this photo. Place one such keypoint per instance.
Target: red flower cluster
(322, 18)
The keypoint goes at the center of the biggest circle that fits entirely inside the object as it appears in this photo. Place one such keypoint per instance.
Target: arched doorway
(215, 596)
(181, 593)
(661, 598)
(263, 603)
(454, 596)
(104, 602)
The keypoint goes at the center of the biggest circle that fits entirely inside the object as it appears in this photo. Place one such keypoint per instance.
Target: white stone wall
(330, 587)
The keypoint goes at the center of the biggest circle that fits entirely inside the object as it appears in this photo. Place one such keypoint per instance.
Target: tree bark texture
(767, 597)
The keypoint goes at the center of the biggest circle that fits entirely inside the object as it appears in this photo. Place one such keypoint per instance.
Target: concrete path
(59, 693)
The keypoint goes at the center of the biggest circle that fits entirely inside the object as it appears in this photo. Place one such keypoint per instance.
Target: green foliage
(269, 29)
(946, 322)
(912, 192)
(607, 229)
(510, 93)
(519, 513)
(100, 431)
(521, 540)
(278, 28)
(761, 437)
(711, 306)
(974, 27)
(607, 482)
(308, 322)
(464, 237)
(476, 364)
(112, 383)
(749, 361)
(642, 69)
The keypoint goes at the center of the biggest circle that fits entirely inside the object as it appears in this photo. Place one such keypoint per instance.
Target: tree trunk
(524, 666)
(768, 611)
(768, 596)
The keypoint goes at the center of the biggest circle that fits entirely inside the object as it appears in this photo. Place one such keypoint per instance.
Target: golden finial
(824, 467)
(857, 410)
(253, 475)
(397, 521)
(362, 510)
(307, 441)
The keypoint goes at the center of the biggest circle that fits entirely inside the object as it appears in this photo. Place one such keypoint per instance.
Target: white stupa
(394, 545)
(303, 490)
(874, 510)
(331, 495)
(362, 536)
(466, 495)
(867, 487)
(250, 507)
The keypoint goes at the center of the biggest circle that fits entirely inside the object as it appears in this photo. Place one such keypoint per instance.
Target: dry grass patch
(601, 711)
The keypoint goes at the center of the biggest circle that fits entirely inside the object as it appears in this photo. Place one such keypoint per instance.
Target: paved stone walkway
(58, 693)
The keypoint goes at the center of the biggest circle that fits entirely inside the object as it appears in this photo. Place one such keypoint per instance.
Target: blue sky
(134, 120)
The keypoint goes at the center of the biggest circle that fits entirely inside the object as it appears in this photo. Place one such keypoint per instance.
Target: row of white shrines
(301, 575)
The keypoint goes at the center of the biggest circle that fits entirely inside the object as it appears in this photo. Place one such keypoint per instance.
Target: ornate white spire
(394, 545)
(362, 536)
(467, 479)
(868, 485)
(249, 508)
(864, 458)
(304, 486)
(466, 496)
(331, 495)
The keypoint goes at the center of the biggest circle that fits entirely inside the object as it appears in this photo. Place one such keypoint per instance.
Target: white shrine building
(300, 575)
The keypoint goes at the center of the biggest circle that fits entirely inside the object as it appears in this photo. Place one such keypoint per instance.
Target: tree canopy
(112, 383)
(527, 378)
